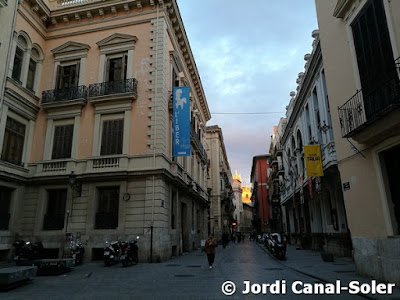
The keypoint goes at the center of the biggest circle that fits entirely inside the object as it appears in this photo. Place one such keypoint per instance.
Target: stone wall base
(378, 258)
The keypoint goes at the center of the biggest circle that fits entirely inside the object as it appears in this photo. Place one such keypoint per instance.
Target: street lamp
(75, 186)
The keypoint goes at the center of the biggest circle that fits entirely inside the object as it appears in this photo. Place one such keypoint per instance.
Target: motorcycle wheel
(135, 258)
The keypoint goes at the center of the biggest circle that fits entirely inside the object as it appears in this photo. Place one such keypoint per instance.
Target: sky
(248, 54)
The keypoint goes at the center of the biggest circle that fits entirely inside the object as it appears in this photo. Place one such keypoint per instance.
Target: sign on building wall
(312, 155)
(181, 121)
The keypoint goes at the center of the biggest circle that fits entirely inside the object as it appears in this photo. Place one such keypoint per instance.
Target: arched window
(27, 62)
(20, 50)
(300, 147)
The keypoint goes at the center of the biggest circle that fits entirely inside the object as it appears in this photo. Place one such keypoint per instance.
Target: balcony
(281, 169)
(362, 110)
(123, 89)
(74, 96)
(4, 220)
(53, 222)
(64, 3)
(196, 140)
(106, 221)
(279, 152)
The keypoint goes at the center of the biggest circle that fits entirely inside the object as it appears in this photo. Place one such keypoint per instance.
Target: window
(17, 68)
(116, 68)
(317, 115)
(5, 196)
(67, 76)
(62, 142)
(31, 75)
(13, 145)
(374, 53)
(107, 210)
(55, 213)
(112, 137)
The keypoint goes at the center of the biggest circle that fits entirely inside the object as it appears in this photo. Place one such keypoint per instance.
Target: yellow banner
(312, 155)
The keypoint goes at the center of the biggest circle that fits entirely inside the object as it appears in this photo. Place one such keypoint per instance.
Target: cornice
(342, 7)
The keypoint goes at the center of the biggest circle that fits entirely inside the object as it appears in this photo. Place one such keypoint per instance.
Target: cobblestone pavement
(188, 277)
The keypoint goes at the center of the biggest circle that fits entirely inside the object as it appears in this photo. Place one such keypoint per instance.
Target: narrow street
(184, 277)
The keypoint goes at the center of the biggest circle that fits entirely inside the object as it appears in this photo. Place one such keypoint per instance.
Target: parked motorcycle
(76, 251)
(276, 245)
(26, 252)
(129, 252)
(111, 253)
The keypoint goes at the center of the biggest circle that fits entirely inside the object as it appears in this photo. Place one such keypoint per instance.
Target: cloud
(249, 55)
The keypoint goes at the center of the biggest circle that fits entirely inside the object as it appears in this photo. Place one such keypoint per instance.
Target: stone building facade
(220, 184)
(313, 208)
(88, 97)
(360, 44)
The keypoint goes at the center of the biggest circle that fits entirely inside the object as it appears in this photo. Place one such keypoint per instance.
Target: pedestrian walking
(210, 245)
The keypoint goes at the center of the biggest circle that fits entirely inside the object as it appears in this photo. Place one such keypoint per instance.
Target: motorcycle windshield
(279, 238)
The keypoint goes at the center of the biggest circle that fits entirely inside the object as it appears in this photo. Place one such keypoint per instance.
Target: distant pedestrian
(210, 245)
(225, 239)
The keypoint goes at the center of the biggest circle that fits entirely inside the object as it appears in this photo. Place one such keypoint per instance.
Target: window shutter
(62, 142)
(59, 77)
(78, 66)
(124, 66)
(107, 79)
(112, 137)
(104, 136)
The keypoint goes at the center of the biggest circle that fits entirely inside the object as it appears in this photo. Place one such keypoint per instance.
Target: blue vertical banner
(181, 121)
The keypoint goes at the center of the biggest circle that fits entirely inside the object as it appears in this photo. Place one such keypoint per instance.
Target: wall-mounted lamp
(75, 186)
(325, 127)
(313, 141)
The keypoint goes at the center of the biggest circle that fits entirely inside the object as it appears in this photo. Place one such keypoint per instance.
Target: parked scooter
(26, 252)
(277, 246)
(76, 251)
(129, 252)
(111, 253)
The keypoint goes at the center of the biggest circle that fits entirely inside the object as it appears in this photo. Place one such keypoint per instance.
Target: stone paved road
(184, 277)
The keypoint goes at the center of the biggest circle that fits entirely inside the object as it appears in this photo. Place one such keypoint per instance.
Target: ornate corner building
(86, 127)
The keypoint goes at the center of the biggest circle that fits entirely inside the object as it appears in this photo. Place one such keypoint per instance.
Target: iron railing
(53, 221)
(4, 220)
(198, 143)
(113, 87)
(58, 95)
(106, 221)
(74, 2)
(362, 109)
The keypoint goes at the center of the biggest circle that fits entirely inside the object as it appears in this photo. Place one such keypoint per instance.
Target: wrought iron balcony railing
(53, 221)
(58, 95)
(113, 87)
(363, 108)
(198, 143)
(106, 221)
(4, 220)
(74, 2)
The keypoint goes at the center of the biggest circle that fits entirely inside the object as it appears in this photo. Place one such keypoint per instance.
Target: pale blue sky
(248, 54)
